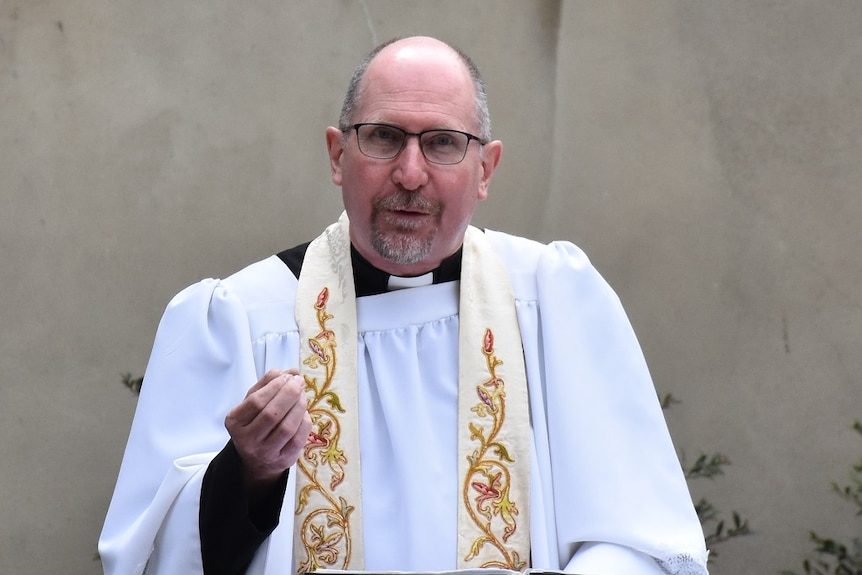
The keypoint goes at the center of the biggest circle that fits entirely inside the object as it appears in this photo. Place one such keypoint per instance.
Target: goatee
(403, 245)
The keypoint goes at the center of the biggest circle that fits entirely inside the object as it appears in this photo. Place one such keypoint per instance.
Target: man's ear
(335, 146)
(491, 154)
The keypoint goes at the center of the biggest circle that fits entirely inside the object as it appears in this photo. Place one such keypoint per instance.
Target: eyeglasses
(384, 142)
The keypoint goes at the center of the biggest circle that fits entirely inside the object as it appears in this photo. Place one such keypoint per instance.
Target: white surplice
(608, 495)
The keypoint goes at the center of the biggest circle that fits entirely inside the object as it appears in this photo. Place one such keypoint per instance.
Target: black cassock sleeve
(231, 527)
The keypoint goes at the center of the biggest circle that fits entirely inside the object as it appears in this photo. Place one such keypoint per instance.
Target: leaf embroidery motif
(487, 485)
(325, 532)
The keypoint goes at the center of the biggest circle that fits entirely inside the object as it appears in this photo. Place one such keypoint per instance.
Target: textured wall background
(706, 155)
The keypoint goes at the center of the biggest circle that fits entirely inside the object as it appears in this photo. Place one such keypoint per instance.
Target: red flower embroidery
(488, 343)
(493, 382)
(325, 335)
(322, 298)
(486, 491)
(317, 439)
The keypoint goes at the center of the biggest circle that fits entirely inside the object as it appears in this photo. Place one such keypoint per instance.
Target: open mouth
(409, 213)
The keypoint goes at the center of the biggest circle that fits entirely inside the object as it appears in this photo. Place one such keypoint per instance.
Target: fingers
(271, 425)
(269, 376)
(292, 449)
(282, 413)
(260, 395)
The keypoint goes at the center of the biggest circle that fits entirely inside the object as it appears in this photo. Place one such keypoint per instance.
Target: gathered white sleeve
(611, 497)
(201, 366)
(617, 478)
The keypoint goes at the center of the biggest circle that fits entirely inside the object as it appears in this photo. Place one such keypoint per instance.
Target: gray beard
(402, 247)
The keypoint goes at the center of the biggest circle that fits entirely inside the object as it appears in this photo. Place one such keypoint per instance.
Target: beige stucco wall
(705, 154)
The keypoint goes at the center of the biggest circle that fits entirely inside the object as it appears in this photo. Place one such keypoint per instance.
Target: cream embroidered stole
(493, 413)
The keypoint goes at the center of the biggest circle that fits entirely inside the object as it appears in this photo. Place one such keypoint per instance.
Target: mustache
(407, 201)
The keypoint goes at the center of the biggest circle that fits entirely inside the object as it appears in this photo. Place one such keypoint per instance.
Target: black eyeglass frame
(470, 137)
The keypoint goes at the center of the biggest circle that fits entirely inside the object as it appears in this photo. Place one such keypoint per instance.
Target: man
(428, 396)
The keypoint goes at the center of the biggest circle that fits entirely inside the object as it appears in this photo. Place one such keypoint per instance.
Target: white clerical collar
(401, 282)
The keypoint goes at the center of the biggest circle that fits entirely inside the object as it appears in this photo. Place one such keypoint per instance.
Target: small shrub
(830, 556)
(716, 529)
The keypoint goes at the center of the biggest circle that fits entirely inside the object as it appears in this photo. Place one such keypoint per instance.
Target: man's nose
(411, 171)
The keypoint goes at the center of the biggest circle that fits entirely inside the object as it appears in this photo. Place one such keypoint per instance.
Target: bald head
(409, 55)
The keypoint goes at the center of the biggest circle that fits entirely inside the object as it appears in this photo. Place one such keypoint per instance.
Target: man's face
(407, 214)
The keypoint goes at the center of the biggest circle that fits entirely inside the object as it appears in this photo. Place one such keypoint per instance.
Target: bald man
(405, 392)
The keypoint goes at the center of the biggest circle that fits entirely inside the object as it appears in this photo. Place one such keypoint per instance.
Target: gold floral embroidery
(326, 531)
(488, 482)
